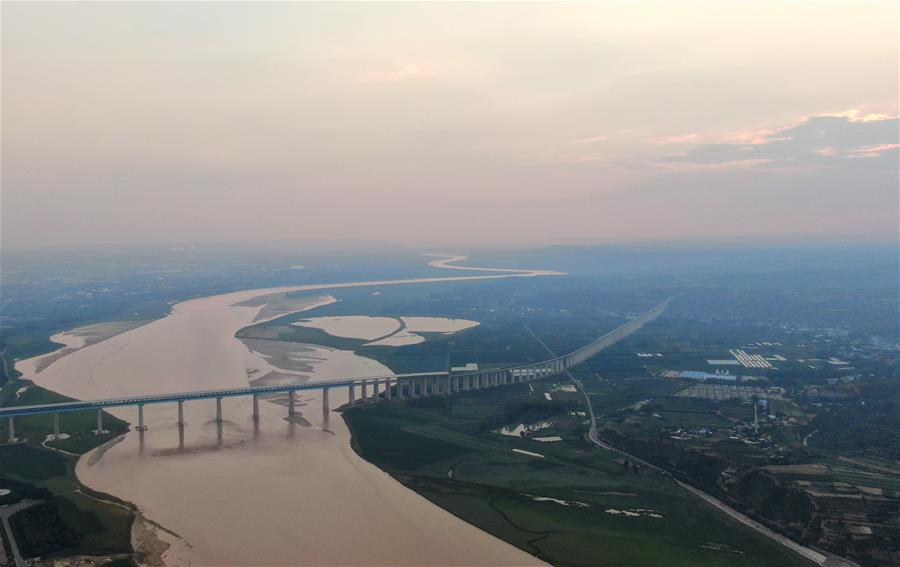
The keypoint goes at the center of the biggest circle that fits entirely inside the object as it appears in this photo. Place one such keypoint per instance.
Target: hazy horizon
(448, 125)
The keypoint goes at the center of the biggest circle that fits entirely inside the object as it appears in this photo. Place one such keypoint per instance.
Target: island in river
(254, 493)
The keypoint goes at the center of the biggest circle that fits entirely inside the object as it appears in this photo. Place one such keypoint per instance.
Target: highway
(5, 513)
(828, 560)
(483, 378)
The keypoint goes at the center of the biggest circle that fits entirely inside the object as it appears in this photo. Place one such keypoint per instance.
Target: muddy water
(272, 492)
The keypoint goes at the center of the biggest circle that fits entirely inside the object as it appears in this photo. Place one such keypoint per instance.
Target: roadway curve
(826, 560)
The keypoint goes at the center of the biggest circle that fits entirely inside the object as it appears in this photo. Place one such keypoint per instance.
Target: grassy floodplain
(578, 505)
(71, 519)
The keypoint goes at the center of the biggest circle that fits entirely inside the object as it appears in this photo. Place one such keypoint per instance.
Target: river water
(272, 492)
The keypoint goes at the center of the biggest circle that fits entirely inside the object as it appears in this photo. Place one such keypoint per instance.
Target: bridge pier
(365, 391)
(448, 385)
(218, 410)
(99, 430)
(291, 402)
(352, 394)
(56, 425)
(326, 406)
(12, 430)
(141, 426)
(255, 407)
(387, 389)
(181, 422)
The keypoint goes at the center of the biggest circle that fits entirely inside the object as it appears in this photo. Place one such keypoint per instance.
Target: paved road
(828, 560)
(5, 513)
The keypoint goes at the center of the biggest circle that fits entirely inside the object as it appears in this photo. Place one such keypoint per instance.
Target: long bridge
(383, 388)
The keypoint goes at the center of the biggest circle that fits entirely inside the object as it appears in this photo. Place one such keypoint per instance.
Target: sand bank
(271, 492)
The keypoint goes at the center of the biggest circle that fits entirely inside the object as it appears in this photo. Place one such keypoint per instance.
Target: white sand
(296, 495)
(353, 326)
(528, 453)
(400, 338)
(437, 324)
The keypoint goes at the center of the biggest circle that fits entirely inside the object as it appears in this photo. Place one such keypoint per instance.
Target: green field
(72, 519)
(444, 449)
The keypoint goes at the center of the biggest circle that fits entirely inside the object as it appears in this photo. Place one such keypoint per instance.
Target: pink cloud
(872, 151)
(681, 139)
(828, 151)
(591, 140)
(857, 115)
(750, 137)
(688, 166)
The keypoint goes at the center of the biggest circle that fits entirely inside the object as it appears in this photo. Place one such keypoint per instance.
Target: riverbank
(309, 476)
(563, 502)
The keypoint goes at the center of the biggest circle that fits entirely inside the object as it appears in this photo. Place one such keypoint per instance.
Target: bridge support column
(291, 402)
(387, 389)
(141, 426)
(99, 430)
(400, 389)
(364, 391)
(326, 406)
(181, 423)
(448, 385)
(218, 410)
(56, 425)
(352, 394)
(374, 391)
(255, 407)
(12, 430)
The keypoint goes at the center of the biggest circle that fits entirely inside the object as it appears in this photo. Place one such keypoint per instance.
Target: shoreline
(97, 473)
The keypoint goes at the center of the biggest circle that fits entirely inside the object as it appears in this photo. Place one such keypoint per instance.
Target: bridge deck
(541, 369)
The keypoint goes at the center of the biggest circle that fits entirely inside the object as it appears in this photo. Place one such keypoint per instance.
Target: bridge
(383, 388)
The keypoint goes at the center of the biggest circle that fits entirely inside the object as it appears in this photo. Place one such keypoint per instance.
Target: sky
(442, 125)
